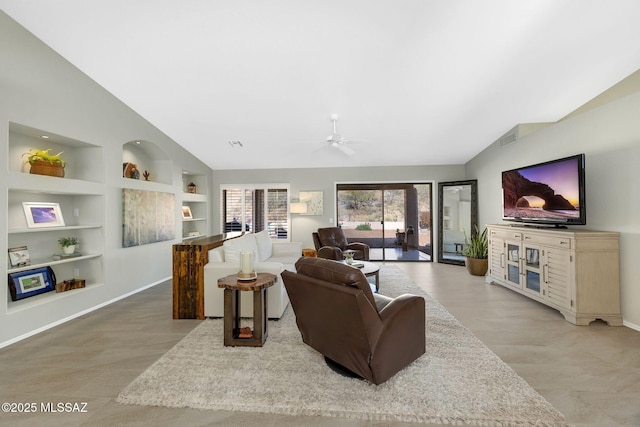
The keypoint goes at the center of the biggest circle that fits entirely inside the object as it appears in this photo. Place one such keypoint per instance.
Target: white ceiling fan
(336, 140)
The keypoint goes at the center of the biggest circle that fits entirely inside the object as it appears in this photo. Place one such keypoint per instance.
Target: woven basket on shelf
(42, 167)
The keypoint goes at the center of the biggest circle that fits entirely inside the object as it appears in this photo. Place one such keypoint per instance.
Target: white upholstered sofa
(270, 256)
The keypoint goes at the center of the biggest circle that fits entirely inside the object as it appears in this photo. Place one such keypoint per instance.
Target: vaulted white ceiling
(414, 82)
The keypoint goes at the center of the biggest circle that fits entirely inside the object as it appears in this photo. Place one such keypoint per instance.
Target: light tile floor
(591, 374)
(397, 254)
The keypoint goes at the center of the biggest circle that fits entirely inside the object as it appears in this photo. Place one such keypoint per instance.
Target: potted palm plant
(477, 253)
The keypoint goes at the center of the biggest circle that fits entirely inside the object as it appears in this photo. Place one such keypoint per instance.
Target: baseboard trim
(80, 313)
(631, 325)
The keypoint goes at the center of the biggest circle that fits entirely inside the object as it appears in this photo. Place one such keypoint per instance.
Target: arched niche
(147, 157)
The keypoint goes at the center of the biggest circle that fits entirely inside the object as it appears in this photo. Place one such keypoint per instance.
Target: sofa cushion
(287, 262)
(233, 247)
(263, 242)
(216, 254)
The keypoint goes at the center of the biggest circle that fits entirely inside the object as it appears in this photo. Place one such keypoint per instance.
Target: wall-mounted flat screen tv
(550, 193)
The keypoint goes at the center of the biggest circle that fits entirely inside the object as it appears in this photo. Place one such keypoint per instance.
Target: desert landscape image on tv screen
(546, 191)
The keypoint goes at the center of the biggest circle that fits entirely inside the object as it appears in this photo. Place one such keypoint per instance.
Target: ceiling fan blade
(346, 150)
(324, 147)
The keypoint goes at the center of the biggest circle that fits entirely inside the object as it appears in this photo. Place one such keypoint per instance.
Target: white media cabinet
(574, 271)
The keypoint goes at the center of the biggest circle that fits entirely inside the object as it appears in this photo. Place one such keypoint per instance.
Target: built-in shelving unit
(80, 195)
(198, 204)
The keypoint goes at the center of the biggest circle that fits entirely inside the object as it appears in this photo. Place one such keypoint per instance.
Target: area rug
(458, 381)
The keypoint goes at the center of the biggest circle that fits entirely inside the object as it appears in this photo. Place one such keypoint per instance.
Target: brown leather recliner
(370, 335)
(331, 242)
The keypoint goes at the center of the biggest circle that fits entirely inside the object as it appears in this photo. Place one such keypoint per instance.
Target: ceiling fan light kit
(336, 140)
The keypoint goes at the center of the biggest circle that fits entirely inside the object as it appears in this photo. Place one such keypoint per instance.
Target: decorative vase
(69, 249)
(42, 167)
(476, 266)
(191, 188)
(130, 170)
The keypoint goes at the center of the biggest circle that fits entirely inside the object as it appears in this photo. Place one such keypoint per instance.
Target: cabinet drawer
(506, 234)
(553, 241)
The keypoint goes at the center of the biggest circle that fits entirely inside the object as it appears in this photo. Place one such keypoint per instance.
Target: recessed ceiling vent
(520, 131)
(509, 137)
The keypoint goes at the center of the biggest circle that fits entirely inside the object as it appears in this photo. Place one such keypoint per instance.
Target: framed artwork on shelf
(19, 256)
(40, 214)
(186, 212)
(28, 283)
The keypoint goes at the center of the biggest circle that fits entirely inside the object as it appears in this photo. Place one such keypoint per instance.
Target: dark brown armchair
(370, 335)
(331, 242)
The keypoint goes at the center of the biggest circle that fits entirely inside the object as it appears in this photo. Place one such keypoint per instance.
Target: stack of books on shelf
(62, 256)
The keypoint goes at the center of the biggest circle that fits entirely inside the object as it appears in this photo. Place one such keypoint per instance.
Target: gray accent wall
(325, 179)
(40, 89)
(609, 135)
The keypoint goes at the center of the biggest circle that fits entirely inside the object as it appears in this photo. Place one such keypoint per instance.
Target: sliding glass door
(393, 219)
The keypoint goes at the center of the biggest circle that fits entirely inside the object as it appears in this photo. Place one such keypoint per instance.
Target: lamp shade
(298, 207)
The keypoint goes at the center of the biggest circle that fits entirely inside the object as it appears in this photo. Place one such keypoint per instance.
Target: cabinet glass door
(513, 263)
(532, 269)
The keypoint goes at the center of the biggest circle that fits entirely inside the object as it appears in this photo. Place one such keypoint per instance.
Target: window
(254, 208)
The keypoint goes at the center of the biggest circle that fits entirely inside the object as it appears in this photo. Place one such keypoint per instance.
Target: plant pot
(476, 266)
(42, 167)
(69, 249)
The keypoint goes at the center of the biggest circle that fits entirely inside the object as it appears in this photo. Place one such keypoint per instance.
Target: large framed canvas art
(314, 201)
(147, 217)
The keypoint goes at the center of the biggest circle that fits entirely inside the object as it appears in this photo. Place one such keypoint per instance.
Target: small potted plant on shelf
(43, 163)
(477, 253)
(68, 244)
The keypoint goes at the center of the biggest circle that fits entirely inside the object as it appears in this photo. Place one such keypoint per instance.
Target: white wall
(609, 135)
(42, 90)
(324, 179)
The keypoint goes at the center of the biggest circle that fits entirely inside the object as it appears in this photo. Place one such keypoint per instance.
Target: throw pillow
(233, 247)
(263, 242)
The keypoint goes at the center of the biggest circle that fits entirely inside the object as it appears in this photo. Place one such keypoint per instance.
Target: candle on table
(246, 263)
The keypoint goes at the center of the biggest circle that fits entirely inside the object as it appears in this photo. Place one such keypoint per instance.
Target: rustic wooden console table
(189, 259)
